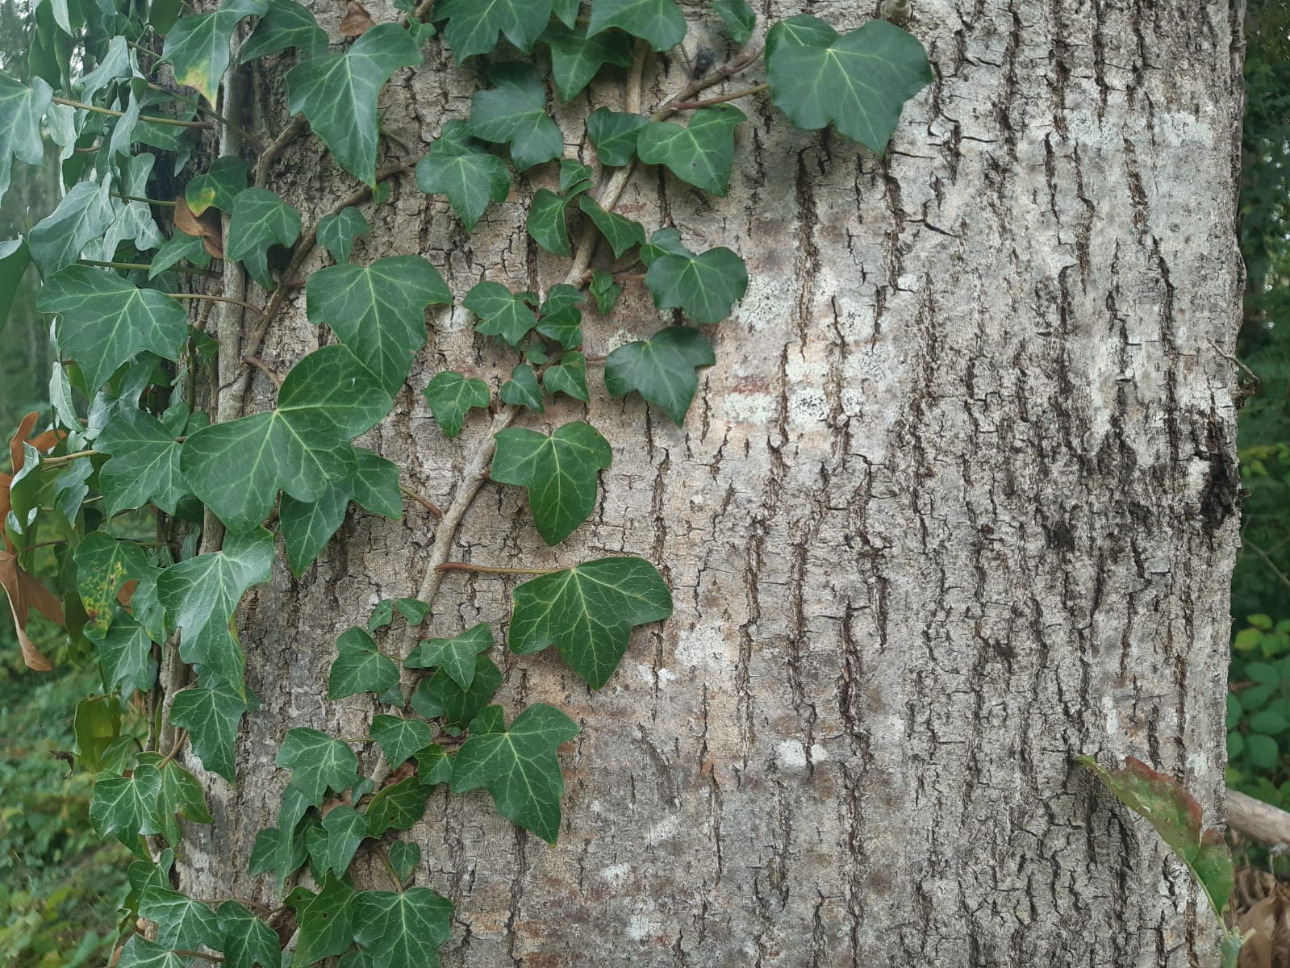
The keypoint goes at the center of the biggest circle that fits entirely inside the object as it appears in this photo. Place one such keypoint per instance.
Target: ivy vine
(152, 510)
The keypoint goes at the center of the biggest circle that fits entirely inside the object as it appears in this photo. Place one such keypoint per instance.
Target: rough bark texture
(956, 504)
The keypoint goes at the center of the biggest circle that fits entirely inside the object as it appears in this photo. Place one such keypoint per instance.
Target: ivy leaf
(144, 465)
(126, 806)
(434, 765)
(103, 565)
(338, 94)
(376, 484)
(561, 317)
(522, 389)
(458, 167)
(307, 526)
(621, 232)
(569, 377)
(413, 610)
(514, 112)
(658, 21)
(140, 953)
(614, 134)
(337, 232)
(378, 311)
(181, 797)
(519, 767)
(706, 287)
(451, 396)
(218, 186)
(700, 154)
(456, 656)
(440, 698)
(248, 941)
(588, 613)
(473, 26)
(326, 399)
(211, 717)
(105, 321)
(576, 58)
(317, 762)
(260, 220)
(176, 249)
(506, 314)
(399, 738)
(327, 919)
(286, 25)
(560, 473)
(182, 922)
(20, 135)
(197, 45)
(360, 667)
(125, 655)
(397, 807)
(83, 215)
(661, 369)
(346, 829)
(545, 221)
(859, 81)
(201, 594)
(604, 291)
(738, 17)
(404, 858)
(403, 928)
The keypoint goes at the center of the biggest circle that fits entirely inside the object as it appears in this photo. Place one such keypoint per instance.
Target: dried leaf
(41, 442)
(205, 227)
(15, 443)
(25, 593)
(1266, 926)
(356, 21)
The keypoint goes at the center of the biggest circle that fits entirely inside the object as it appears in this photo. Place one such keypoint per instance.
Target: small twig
(389, 868)
(260, 365)
(424, 502)
(1235, 362)
(1267, 560)
(288, 134)
(739, 64)
(175, 122)
(144, 267)
(222, 299)
(139, 198)
(67, 458)
(174, 751)
(719, 99)
(492, 570)
(211, 113)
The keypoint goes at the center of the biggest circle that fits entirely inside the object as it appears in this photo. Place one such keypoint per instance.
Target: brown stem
(260, 365)
(174, 750)
(288, 134)
(67, 458)
(389, 868)
(492, 570)
(1267, 560)
(719, 99)
(424, 502)
(175, 122)
(211, 113)
(736, 66)
(221, 299)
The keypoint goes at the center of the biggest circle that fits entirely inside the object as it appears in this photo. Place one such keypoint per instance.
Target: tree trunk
(956, 505)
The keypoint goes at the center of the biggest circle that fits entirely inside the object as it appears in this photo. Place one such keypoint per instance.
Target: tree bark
(956, 505)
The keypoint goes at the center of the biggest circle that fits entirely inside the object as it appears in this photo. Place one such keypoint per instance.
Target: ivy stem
(199, 954)
(211, 113)
(424, 502)
(260, 365)
(491, 570)
(67, 458)
(143, 266)
(139, 198)
(288, 134)
(719, 99)
(174, 750)
(221, 299)
(389, 868)
(1267, 559)
(739, 64)
(174, 122)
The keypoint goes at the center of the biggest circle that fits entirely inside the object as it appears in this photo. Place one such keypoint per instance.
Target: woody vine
(151, 499)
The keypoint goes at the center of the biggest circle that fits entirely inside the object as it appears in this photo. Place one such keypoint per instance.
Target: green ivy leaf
(338, 94)
(360, 667)
(397, 807)
(545, 221)
(413, 610)
(522, 389)
(458, 167)
(378, 311)
(621, 232)
(198, 45)
(859, 81)
(182, 922)
(658, 21)
(560, 472)
(614, 134)
(218, 186)
(307, 526)
(211, 717)
(286, 25)
(700, 154)
(514, 112)
(125, 655)
(326, 399)
(376, 484)
(451, 396)
(326, 919)
(317, 763)
(103, 565)
(126, 806)
(506, 314)
(201, 594)
(140, 953)
(337, 232)
(706, 287)
(104, 321)
(577, 58)
(248, 941)
(738, 17)
(588, 613)
(144, 465)
(181, 797)
(399, 738)
(404, 858)
(604, 291)
(260, 220)
(439, 697)
(456, 656)
(434, 765)
(403, 928)
(473, 26)
(20, 137)
(345, 829)
(561, 318)
(519, 767)
(83, 215)
(569, 377)
(661, 369)
(96, 726)
(176, 249)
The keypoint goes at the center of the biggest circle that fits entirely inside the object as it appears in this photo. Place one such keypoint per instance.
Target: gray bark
(956, 504)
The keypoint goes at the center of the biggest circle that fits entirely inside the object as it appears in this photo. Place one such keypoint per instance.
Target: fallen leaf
(42, 442)
(206, 227)
(25, 593)
(1267, 927)
(356, 21)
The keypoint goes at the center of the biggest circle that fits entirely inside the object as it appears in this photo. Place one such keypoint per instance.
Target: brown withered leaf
(357, 20)
(1267, 926)
(25, 593)
(206, 227)
(42, 442)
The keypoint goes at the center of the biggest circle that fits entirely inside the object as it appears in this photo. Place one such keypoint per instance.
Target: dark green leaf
(376, 485)
(14, 259)
(337, 232)
(126, 806)
(514, 113)
(248, 941)
(560, 473)
(317, 763)
(96, 725)
(451, 396)
(181, 797)
(211, 717)
(473, 25)
(397, 807)
(103, 565)
(140, 953)
(260, 220)
(413, 610)
(440, 698)
(404, 858)
(456, 656)
(182, 922)
(568, 377)
(561, 318)
(458, 167)
(176, 249)
(576, 58)
(399, 738)
(287, 24)
(307, 526)
(104, 321)
(614, 135)
(125, 655)
(700, 154)
(338, 94)
(522, 389)
(360, 667)
(658, 21)
(859, 81)
(588, 613)
(218, 186)
(382, 615)
(403, 928)
(504, 313)
(144, 465)
(545, 221)
(738, 17)
(706, 287)
(434, 765)
(22, 108)
(621, 232)
(345, 829)
(198, 45)
(661, 369)
(519, 767)
(326, 920)
(604, 290)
